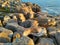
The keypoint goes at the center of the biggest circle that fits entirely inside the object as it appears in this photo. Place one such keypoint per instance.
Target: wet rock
(24, 41)
(45, 41)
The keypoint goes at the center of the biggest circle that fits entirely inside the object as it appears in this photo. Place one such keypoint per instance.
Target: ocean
(50, 6)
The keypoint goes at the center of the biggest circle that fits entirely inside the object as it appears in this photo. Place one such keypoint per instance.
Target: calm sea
(50, 6)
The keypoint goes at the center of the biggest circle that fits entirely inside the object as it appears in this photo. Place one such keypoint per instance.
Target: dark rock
(57, 37)
(29, 23)
(14, 27)
(45, 41)
(51, 31)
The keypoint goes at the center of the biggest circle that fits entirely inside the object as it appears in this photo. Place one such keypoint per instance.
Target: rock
(27, 10)
(29, 23)
(24, 41)
(16, 35)
(36, 8)
(52, 22)
(12, 21)
(29, 4)
(10, 6)
(14, 27)
(1, 23)
(8, 32)
(15, 18)
(6, 18)
(7, 43)
(58, 24)
(27, 32)
(5, 30)
(57, 37)
(43, 22)
(39, 31)
(51, 31)
(4, 38)
(45, 41)
(22, 18)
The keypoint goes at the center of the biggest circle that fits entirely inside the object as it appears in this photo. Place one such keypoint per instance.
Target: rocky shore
(25, 24)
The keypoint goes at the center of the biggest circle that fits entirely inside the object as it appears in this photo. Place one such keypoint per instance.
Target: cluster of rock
(28, 25)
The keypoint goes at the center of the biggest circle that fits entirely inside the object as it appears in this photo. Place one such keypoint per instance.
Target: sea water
(50, 6)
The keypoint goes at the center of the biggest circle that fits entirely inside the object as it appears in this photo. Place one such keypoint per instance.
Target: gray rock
(29, 23)
(24, 41)
(57, 37)
(51, 31)
(14, 27)
(45, 41)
